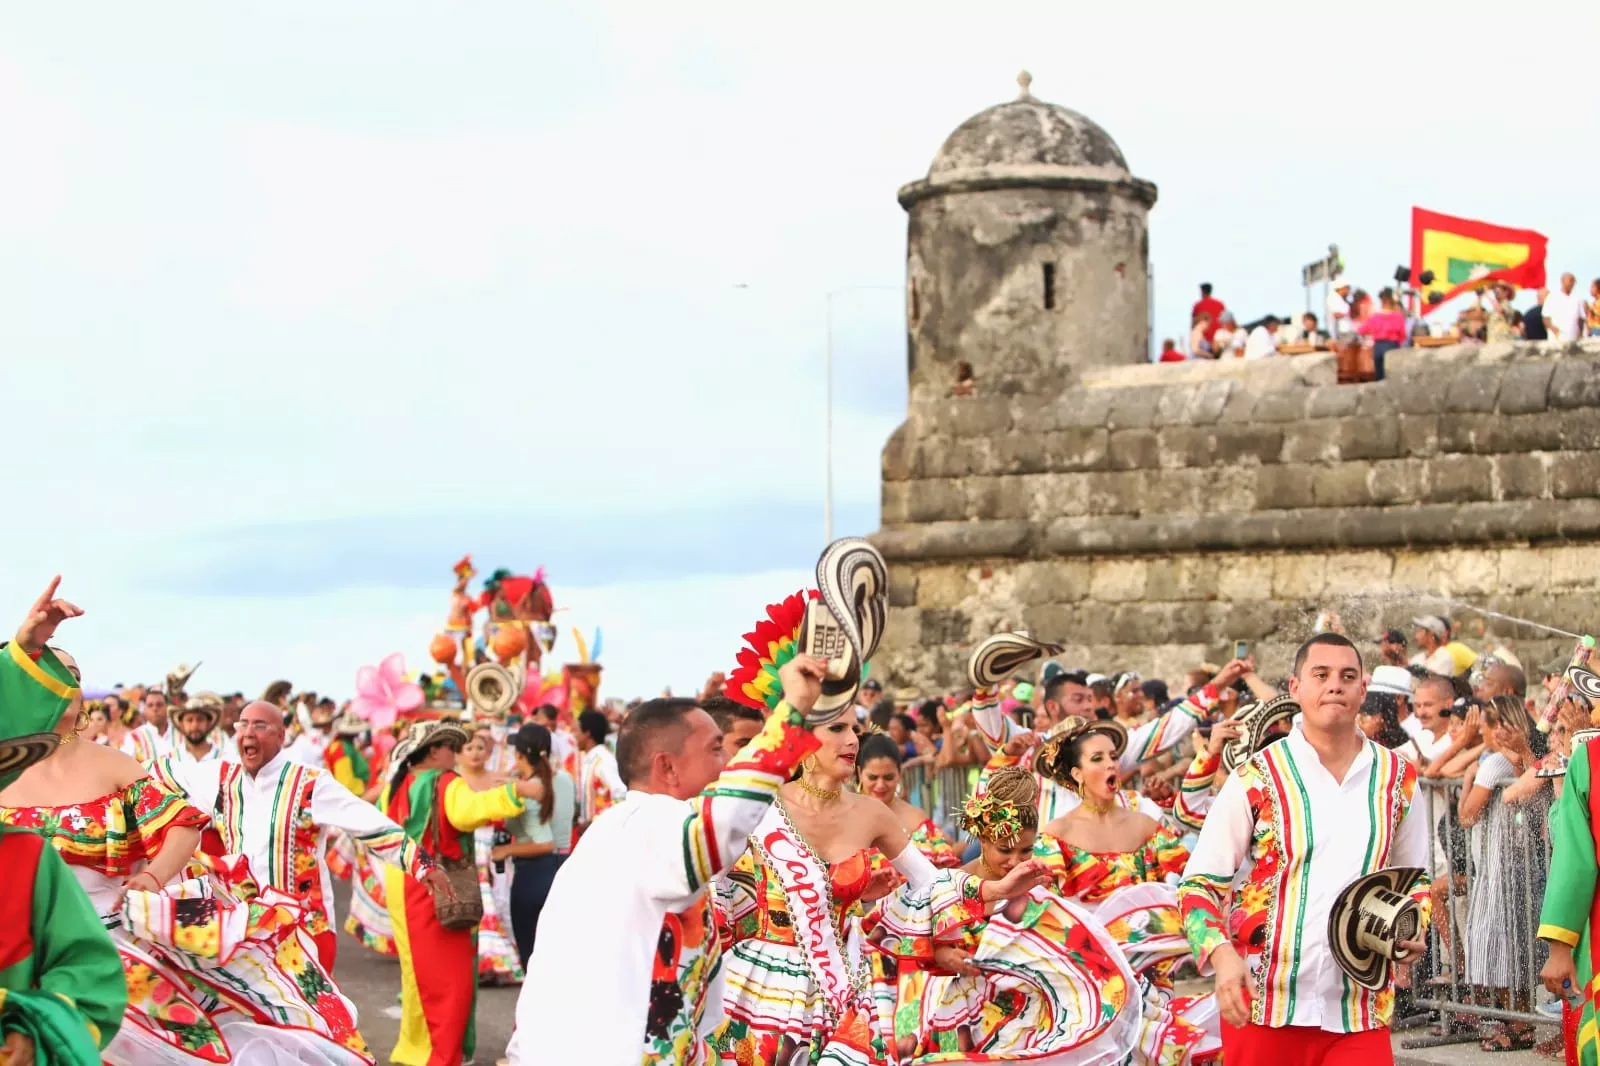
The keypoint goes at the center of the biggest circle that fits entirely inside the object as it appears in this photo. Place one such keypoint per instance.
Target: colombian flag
(1463, 254)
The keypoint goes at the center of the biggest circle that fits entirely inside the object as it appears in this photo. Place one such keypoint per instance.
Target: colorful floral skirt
(369, 920)
(775, 1009)
(497, 955)
(165, 1022)
(1052, 987)
(250, 966)
(1177, 1030)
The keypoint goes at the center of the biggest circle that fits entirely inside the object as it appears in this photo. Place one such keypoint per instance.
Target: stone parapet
(1150, 515)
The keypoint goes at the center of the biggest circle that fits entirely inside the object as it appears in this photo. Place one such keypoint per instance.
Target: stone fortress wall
(1049, 478)
(1150, 515)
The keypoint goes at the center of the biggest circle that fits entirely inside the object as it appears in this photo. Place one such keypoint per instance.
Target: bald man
(277, 813)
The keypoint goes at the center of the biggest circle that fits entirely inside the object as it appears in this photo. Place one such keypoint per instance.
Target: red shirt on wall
(1212, 306)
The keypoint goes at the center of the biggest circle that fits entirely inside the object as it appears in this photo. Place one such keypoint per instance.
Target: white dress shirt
(332, 807)
(1341, 832)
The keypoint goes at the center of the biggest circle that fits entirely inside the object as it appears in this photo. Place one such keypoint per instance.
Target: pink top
(1384, 326)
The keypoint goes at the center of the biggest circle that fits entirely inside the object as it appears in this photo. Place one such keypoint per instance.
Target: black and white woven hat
(1369, 919)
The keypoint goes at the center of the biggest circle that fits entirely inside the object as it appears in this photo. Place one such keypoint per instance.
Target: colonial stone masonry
(1150, 515)
(1048, 478)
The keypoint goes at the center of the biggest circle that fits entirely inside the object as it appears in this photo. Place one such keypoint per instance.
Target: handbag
(466, 909)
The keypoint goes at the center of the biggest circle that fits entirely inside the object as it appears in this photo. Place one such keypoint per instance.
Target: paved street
(373, 982)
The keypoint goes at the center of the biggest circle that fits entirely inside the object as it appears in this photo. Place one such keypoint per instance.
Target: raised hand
(46, 613)
(802, 679)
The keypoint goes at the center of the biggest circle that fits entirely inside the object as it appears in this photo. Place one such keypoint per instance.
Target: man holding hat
(62, 993)
(1306, 818)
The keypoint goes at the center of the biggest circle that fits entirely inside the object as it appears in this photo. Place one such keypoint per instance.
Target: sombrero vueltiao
(1061, 737)
(1370, 916)
(1256, 720)
(419, 738)
(350, 725)
(206, 703)
(34, 694)
(842, 621)
(1002, 655)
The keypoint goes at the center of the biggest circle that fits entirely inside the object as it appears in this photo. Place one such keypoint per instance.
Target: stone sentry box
(1150, 515)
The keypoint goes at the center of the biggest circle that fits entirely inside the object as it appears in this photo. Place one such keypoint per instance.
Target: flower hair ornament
(1006, 807)
(1051, 760)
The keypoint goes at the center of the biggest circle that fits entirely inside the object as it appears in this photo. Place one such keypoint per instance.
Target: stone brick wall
(1148, 516)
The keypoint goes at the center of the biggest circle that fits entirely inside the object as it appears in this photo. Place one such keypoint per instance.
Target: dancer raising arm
(638, 985)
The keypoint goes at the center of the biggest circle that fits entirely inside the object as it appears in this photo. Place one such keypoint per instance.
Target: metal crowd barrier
(941, 793)
(1483, 960)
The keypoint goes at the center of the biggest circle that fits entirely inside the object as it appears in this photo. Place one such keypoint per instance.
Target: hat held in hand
(1256, 721)
(1002, 655)
(1369, 919)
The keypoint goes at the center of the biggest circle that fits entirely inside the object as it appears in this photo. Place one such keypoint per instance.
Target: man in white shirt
(1305, 817)
(196, 733)
(154, 738)
(1263, 340)
(1432, 697)
(633, 895)
(1339, 309)
(1564, 311)
(277, 813)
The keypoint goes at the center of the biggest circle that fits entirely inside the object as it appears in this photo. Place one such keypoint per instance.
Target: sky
(303, 302)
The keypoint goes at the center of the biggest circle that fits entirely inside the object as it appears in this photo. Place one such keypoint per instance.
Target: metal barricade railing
(1483, 956)
(939, 792)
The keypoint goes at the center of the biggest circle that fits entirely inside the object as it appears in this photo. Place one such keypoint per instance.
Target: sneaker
(1551, 1010)
(394, 1012)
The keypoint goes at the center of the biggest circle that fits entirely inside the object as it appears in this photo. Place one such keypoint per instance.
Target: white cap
(1395, 680)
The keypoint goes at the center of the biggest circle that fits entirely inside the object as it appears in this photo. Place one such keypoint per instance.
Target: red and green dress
(438, 998)
(60, 975)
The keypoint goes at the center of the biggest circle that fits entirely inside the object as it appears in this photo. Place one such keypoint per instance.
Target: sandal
(1509, 1038)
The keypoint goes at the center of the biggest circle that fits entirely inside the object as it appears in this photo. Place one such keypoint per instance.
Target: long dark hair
(533, 744)
(1383, 705)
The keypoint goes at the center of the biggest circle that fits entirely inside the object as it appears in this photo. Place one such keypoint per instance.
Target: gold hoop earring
(808, 764)
(81, 722)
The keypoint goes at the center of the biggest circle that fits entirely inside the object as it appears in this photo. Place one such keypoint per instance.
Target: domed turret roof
(1027, 141)
(1027, 132)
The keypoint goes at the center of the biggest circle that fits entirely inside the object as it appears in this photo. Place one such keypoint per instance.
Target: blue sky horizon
(304, 303)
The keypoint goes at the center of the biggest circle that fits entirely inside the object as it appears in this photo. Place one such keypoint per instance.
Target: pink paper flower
(383, 693)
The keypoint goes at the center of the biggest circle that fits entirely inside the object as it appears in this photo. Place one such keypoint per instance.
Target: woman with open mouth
(1117, 862)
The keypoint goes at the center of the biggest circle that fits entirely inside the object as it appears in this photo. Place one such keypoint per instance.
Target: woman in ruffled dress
(1122, 866)
(878, 776)
(796, 978)
(124, 836)
(497, 955)
(1034, 979)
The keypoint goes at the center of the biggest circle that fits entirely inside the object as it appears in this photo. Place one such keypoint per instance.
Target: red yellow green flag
(1464, 254)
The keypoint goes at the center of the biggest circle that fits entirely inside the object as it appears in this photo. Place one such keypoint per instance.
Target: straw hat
(206, 703)
(1064, 733)
(350, 725)
(419, 738)
(1370, 916)
(1257, 720)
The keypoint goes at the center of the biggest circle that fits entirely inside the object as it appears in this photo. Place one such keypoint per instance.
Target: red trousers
(1301, 1045)
(1569, 1032)
(327, 948)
